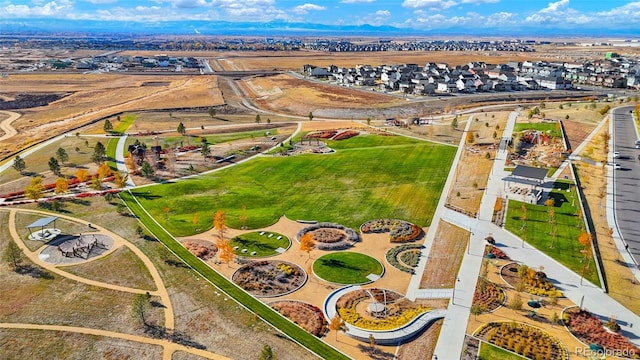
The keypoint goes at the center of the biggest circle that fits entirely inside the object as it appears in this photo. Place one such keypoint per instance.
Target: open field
(89, 97)
(351, 186)
(122, 267)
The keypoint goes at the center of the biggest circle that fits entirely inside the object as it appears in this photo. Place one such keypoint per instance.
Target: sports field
(370, 176)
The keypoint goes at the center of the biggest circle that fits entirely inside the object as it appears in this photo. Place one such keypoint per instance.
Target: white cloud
(52, 8)
(479, 2)
(100, 2)
(303, 9)
(559, 13)
(356, 1)
(501, 18)
(383, 13)
(628, 13)
(431, 4)
(189, 4)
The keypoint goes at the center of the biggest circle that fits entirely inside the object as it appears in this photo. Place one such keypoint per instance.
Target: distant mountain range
(277, 28)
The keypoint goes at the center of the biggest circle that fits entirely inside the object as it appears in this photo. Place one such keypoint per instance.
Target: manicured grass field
(368, 177)
(566, 248)
(110, 149)
(550, 127)
(490, 352)
(263, 245)
(346, 267)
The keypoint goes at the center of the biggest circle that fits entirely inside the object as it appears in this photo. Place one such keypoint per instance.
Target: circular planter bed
(523, 339)
(203, 249)
(269, 278)
(536, 282)
(329, 236)
(377, 309)
(307, 316)
(589, 329)
(399, 230)
(260, 244)
(404, 257)
(488, 296)
(347, 268)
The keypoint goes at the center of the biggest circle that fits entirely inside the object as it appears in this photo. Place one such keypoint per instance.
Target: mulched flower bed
(523, 339)
(203, 249)
(404, 257)
(353, 305)
(536, 282)
(591, 330)
(330, 236)
(489, 296)
(347, 134)
(307, 316)
(399, 230)
(269, 278)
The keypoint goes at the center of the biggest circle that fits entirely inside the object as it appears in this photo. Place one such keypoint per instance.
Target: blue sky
(428, 15)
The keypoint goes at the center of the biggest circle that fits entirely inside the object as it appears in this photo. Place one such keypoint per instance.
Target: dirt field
(287, 94)
(446, 255)
(90, 97)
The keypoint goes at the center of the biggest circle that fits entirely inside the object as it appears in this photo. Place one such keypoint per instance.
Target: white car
(616, 166)
(616, 154)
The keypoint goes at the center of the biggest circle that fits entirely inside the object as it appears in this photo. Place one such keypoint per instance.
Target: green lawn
(346, 267)
(110, 149)
(259, 308)
(549, 127)
(124, 124)
(263, 245)
(566, 248)
(491, 352)
(368, 177)
(195, 140)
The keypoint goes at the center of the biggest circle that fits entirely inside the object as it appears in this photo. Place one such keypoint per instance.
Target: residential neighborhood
(440, 78)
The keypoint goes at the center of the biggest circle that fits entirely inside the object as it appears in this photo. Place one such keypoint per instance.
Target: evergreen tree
(99, 152)
(19, 164)
(54, 166)
(108, 127)
(61, 155)
(181, 129)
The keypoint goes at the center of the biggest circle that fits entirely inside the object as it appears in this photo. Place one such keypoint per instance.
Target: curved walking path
(5, 125)
(161, 290)
(169, 347)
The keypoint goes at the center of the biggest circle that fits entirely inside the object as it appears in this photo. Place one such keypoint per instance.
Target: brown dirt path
(5, 125)
(169, 347)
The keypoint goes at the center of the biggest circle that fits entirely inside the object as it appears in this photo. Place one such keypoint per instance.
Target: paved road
(627, 179)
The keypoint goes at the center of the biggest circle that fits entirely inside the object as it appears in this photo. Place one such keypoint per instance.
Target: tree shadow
(145, 195)
(34, 271)
(78, 201)
(337, 264)
(178, 337)
(176, 263)
(375, 353)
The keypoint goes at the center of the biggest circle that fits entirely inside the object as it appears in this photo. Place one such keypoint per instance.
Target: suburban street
(626, 179)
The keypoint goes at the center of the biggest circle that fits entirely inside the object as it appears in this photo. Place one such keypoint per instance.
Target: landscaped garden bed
(330, 236)
(592, 331)
(269, 278)
(488, 296)
(535, 282)
(399, 230)
(377, 309)
(404, 257)
(494, 252)
(259, 244)
(203, 249)
(347, 268)
(307, 316)
(523, 339)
